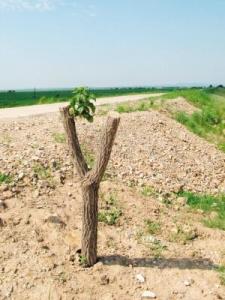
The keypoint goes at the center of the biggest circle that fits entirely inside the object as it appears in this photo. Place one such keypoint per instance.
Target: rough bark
(89, 224)
(90, 180)
(106, 143)
(73, 142)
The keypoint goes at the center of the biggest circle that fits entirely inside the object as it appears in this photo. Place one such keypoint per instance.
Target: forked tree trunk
(90, 179)
(90, 223)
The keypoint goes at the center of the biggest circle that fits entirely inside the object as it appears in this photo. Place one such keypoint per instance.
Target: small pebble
(21, 175)
(140, 278)
(187, 283)
(148, 295)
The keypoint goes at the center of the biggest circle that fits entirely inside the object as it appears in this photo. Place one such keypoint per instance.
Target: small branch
(106, 143)
(70, 128)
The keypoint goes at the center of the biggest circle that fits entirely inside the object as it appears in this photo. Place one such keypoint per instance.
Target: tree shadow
(161, 263)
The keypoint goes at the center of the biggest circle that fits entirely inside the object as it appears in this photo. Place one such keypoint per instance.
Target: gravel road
(26, 111)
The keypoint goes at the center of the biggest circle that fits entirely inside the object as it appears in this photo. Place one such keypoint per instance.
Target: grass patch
(221, 271)
(109, 217)
(221, 146)
(198, 97)
(157, 249)
(208, 204)
(59, 137)
(124, 108)
(144, 105)
(209, 122)
(4, 178)
(109, 212)
(42, 172)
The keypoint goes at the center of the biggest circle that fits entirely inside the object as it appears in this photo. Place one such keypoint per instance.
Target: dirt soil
(40, 213)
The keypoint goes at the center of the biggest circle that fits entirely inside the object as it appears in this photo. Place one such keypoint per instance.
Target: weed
(218, 221)
(109, 217)
(182, 235)
(221, 271)
(42, 172)
(221, 146)
(109, 213)
(157, 249)
(147, 191)
(111, 200)
(124, 108)
(59, 137)
(152, 227)
(144, 105)
(83, 260)
(4, 178)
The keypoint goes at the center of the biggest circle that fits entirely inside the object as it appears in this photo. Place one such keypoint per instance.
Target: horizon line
(185, 85)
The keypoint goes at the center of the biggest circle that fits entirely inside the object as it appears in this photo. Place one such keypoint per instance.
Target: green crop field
(22, 98)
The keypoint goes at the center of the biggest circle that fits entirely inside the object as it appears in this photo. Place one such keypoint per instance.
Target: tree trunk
(90, 180)
(90, 223)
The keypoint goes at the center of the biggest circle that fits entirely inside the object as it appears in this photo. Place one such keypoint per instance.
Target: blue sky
(65, 43)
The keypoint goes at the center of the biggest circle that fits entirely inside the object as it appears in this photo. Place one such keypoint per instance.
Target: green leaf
(81, 103)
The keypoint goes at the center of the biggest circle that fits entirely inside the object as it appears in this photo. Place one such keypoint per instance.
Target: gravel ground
(153, 149)
(40, 212)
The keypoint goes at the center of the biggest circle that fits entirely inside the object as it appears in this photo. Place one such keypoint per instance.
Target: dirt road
(26, 111)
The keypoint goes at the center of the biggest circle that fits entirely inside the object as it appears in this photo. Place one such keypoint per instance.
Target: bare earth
(40, 212)
(33, 110)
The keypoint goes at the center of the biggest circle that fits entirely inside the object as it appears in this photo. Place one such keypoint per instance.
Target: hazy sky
(65, 43)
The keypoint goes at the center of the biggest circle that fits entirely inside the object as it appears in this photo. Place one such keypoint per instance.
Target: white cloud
(29, 5)
(78, 8)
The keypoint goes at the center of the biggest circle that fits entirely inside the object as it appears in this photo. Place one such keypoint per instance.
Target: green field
(23, 98)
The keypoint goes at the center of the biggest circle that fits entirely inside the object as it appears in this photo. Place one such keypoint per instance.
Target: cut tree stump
(90, 179)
